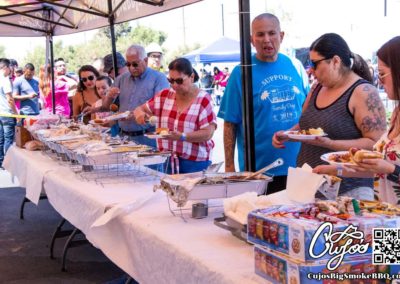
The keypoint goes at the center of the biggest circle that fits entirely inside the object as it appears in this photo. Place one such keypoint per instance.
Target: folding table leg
(71, 243)
(58, 233)
(21, 209)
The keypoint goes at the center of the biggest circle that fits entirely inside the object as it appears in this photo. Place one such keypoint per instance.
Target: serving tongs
(277, 163)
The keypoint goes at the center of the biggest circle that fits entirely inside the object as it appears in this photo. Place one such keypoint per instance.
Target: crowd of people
(343, 100)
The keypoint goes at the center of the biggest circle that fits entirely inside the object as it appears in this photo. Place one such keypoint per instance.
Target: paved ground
(24, 246)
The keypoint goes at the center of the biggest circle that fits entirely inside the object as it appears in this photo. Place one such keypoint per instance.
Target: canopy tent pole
(112, 35)
(247, 86)
(53, 90)
(50, 52)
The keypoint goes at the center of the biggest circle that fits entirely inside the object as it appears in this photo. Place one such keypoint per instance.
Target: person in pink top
(61, 92)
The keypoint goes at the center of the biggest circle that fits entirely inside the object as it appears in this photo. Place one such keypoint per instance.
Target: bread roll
(358, 155)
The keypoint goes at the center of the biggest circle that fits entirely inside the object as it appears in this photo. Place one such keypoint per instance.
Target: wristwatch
(183, 137)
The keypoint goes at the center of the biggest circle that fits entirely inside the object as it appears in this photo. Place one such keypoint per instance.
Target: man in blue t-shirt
(280, 85)
(26, 90)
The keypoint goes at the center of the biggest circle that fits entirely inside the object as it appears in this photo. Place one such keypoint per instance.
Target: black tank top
(337, 121)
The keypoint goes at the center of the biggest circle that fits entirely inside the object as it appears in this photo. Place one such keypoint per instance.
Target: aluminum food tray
(228, 188)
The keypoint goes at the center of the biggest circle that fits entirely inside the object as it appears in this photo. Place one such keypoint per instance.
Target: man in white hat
(155, 56)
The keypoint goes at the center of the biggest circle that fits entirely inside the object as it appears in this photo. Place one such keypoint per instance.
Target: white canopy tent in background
(48, 18)
(60, 17)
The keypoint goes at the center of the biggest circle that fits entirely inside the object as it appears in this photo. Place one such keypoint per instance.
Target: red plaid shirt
(199, 115)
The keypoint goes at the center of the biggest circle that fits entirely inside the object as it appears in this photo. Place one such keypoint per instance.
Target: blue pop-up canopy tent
(222, 50)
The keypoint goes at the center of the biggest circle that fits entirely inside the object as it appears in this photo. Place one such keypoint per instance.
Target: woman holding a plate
(388, 169)
(187, 113)
(344, 104)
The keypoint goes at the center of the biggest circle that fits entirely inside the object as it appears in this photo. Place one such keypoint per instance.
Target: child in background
(103, 83)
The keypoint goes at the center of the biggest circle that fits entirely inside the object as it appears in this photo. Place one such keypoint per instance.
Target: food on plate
(114, 107)
(162, 131)
(99, 121)
(341, 158)
(311, 131)
(358, 154)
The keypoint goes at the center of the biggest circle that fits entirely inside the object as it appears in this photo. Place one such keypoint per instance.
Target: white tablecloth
(149, 243)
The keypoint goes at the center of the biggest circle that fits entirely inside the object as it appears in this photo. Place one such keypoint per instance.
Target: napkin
(302, 184)
(120, 209)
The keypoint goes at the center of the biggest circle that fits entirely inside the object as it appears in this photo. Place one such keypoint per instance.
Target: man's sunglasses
(179, 81)
(90, 78)
(133, 64)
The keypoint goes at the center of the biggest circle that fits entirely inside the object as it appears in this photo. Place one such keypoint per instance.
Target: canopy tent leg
(247, 86)
(112, 35)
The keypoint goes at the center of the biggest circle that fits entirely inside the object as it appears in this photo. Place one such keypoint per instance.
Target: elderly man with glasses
(133, 89)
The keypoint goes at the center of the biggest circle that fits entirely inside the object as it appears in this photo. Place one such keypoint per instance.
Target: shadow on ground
(24, 247)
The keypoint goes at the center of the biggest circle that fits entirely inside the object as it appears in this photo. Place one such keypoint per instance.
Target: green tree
(141, 35)
(99, 46)
(120, 30)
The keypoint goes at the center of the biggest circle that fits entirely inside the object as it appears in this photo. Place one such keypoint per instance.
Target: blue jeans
(188, 166)
(7, 131)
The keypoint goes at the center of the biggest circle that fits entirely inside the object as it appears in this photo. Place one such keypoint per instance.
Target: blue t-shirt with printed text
(22, 86)
(279, 91)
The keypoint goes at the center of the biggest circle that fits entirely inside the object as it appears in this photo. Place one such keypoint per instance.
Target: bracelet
(395, 176)
(339, 170)
(183, 137)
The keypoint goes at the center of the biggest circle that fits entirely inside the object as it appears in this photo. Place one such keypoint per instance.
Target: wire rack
(109, 167)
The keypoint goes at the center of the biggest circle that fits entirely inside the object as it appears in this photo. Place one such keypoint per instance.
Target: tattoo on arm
(376, 121)
(229, 143)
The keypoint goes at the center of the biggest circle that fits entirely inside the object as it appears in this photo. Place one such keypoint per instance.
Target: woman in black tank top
(344, 104)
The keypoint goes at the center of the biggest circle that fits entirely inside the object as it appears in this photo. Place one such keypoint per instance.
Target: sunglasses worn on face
(314, 64)
(90, 78)
(179, 81)
(133, 64)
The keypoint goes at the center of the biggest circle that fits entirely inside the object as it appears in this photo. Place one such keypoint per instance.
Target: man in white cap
(155, 56)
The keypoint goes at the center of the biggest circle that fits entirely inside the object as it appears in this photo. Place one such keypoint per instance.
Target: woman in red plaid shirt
(186, 113)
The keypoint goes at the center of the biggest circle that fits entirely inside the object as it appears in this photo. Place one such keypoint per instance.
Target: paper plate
(327, 158)
(293, 135)
(156, 136)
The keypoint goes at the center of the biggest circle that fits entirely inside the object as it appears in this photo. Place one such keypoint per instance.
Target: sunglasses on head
(179, 81)
(133, 64)
(90, 78)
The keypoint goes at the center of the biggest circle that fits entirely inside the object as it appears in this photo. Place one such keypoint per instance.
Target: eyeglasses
(60, 65)
(90, 78)
(314, 64)
(381, 76)
(179, 81)
(133, 64)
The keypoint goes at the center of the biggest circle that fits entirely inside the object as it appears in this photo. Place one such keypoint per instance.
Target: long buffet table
(133, 226)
